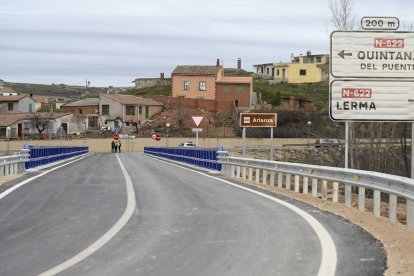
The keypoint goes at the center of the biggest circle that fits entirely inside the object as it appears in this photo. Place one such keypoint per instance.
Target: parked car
(188, 144)
(325, 143)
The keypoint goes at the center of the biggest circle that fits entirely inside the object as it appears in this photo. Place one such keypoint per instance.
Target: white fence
(302, 175)
(13, 164)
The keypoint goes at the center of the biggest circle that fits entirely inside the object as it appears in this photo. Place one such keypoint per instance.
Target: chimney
(238, 65)
(161, 76)
(218, 62)
(31, 95)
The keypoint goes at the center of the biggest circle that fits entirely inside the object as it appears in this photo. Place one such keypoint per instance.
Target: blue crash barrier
(42, 155)
(201, 157)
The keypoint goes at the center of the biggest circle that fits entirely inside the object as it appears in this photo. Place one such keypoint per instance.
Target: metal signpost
(197, 121)
(258, 120)
(371, 74)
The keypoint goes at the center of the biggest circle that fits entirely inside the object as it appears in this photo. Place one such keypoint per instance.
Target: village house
(18, 103)
(88, 107)
(209, 82)
(24, 124)
(126, 111)
(141, 83)
(266, 70)
(307, 68)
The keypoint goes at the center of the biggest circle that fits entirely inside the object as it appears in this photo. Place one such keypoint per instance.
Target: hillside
(54, 89)
(318, 93)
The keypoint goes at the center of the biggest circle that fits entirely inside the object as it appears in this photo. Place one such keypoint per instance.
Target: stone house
(88, 107)
(22, 124)
(19, 103)
(125, 111)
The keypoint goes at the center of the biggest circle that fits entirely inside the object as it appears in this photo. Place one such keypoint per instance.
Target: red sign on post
(116, 136)
(157, 137)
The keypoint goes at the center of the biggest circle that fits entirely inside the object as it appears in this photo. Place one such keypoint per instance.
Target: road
(128, 214)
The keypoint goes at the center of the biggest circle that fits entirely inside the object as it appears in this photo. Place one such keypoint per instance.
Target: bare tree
(41, 123)
(341, 14)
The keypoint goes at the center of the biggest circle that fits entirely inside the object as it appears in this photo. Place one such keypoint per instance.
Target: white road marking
(129, 211)
(8, 191)
(327, 266)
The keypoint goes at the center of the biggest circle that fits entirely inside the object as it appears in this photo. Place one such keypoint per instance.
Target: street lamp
(309, 125)
(167, 126)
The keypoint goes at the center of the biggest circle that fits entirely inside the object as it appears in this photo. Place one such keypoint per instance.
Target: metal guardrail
(13, 164)
(282, 172)
(42, 155)
(201, 157)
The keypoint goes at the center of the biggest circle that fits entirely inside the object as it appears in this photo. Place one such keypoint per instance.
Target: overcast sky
(112, 42)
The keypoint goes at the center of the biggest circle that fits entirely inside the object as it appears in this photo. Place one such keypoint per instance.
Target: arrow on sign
(342, 54)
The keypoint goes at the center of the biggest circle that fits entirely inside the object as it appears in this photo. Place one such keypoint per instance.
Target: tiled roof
(131, 100)
(39, 98)
(247, 80)
(6, 90)
(7, 119)
(84, 102)
(12, 98)
(196, 70)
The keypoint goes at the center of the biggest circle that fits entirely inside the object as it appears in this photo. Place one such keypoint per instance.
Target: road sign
(197, 120)
(374, 54)
(157, 137)
(258, 119)
(197, 130)
(372, 100)
(380, 23)
(116, 136)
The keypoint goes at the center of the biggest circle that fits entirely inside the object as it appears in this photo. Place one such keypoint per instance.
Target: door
(19, 130)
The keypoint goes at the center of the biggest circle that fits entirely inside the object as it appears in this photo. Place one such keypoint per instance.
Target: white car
(188, 144)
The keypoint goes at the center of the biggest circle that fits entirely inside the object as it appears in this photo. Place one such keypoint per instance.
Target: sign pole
(244, 141)
(346, 144)
(197, 138)
(412, 151)
(271, 143)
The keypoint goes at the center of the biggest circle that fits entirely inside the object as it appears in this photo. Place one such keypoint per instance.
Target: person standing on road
(113, 146)
(119, 145)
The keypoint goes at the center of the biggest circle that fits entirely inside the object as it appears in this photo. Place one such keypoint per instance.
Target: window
(80, 110)
(30, 107)
(186, 85)
(302, 72)
(277, 72)
(202, 86)
(227, 88)
(240, 88)
(267, 71)
(10, 106)
(130, 110)
(146, 112)
(105, 109)
(140, 110)
(318, 59)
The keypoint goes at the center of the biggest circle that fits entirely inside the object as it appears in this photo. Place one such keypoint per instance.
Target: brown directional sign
(258, 119)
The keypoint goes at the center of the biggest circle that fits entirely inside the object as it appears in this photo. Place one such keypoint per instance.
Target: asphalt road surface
(128, 214)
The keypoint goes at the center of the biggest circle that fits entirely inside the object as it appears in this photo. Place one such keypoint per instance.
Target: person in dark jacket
(113, 146)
